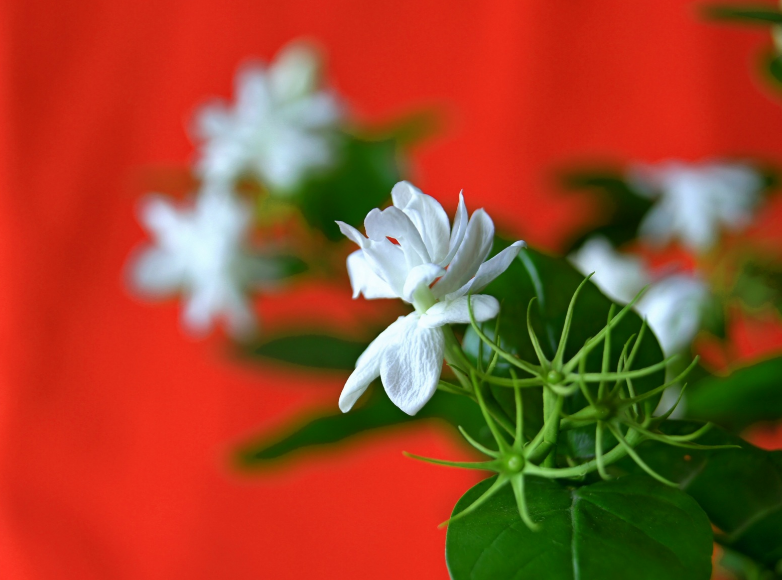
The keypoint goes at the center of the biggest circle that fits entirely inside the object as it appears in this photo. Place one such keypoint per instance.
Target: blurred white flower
(198, 250)
(619, 276)
(412, 252)
(695, 201)
(280, 128)
(673, 307)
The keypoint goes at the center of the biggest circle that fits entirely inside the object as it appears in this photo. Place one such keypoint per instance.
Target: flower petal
(473, 250)
(411, 365)
(364, 280)
(460, 221)
(427, 215)
(489, 270)
(394, 223)
(484, 307)
(368, 366)
(424, 274)
(294, 72)
(158, 272)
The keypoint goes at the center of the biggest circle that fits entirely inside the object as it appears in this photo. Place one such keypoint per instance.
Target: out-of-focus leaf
(745, 14)
(713, 317)
(318, 351)
(739, 489)
(622, 209)
(377, 412)
(747, 395)
(631, 527)
(262, 269)
(362, 181)
(759, 284)
(552, 281)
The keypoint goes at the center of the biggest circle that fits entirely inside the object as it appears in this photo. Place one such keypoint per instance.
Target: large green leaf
(377, 412)
(747, 395)
(632, 527)
(320, 351)
(739, 489)
(362, 181)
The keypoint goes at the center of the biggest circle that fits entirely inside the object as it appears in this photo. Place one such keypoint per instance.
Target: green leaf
(745, 14)
(739, 489)
(622, 208)
(318, 351)
(631, 527)
(376, 413)
(747, 395)
(260, 269)
(361, 182)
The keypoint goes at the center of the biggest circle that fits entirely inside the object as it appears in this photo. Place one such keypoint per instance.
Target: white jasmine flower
(280, 128)
(673, 307)
(619, 276)
(412, 252)
(694, 202)
(198, 251)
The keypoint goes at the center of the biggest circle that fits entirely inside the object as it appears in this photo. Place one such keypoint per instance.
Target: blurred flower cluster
(284, 140)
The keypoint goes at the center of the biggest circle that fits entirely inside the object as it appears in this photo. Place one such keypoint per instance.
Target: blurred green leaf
(622, 209)
(739, 489)
(377, 412)
(362, 181)
(633, 527)
(318, 351)
(747, 395)
(745, 14)
(261, 268)
(759, 284)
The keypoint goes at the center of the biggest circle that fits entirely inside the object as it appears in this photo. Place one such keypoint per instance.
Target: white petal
(427, 215)
(489, 270)
(473, 250)
(673, 307)
(422, 275)
(294, 72)
(402, 193)
(367, 367)
(394, 223)
(457, 233)
(159, 214)
(158, 272)
(364, 280)
(484, 308)
(411, 365)
(351, 233)
(619, 276)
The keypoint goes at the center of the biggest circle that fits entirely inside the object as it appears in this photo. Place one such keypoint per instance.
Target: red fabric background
(114, 428)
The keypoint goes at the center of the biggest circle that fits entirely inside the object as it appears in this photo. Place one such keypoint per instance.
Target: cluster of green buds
(612, 405)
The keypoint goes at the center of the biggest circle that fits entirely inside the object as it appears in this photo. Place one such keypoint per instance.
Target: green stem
(454, 355)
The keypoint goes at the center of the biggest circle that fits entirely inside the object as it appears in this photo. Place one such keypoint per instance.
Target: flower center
(423, 299)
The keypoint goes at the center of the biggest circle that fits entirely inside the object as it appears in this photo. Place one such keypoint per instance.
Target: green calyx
(612, 406)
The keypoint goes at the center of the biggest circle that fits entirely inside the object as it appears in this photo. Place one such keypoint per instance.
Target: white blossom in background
(431, 265)
(674, 307)
(280, 128)
(619, 276)
(198, 250)
(694, 202)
